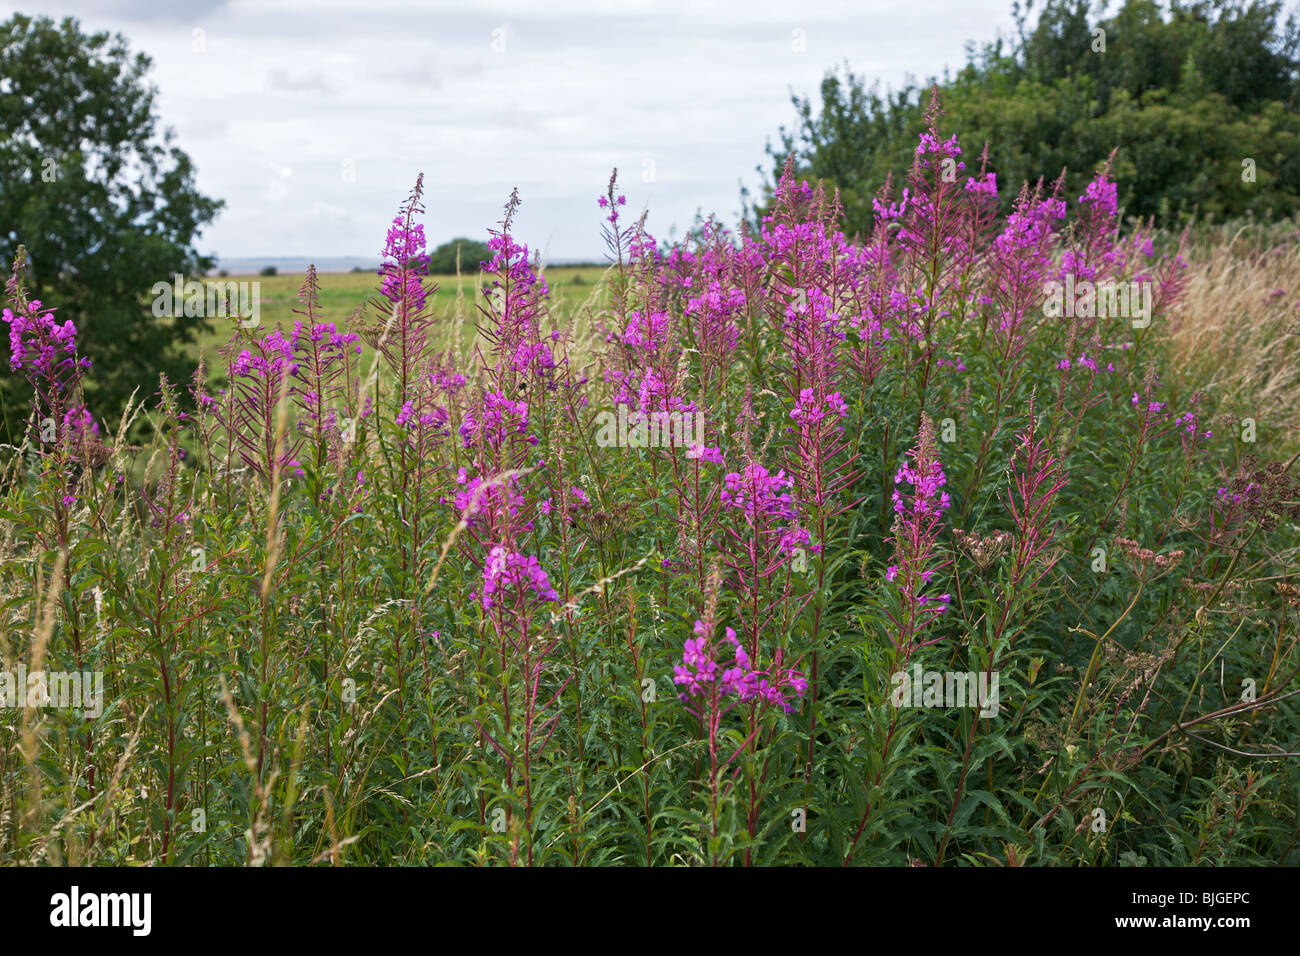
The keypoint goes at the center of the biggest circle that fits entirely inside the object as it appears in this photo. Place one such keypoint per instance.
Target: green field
(342, 292)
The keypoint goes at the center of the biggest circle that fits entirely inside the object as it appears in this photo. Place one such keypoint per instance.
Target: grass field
(341, 293)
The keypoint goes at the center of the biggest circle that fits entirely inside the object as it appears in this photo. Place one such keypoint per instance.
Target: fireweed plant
(422, 604)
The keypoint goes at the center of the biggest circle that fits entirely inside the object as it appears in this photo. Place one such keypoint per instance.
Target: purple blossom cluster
(509, 570)
(479, 496)
(44, 351)
(498, 419)
(926, 477)
(701, 674)
(40, 346)
(405, 262)
(810, 410)
(758, 493)
(919, 504)
(272, 361)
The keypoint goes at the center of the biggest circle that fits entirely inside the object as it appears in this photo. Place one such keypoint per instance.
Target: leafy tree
(442, 261)
(103, 201)
(1185, 94)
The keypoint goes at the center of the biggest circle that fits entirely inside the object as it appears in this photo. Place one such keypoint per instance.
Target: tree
(442, 261)
(1186, 94)
(103, 201)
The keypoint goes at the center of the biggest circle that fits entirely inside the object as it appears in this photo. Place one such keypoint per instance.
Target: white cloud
(395, 88)
(309, 81)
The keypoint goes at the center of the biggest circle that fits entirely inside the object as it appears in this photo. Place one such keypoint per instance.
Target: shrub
(467, 255)
(1197, 102)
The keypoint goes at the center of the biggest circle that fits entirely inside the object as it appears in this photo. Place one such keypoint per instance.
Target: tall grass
(1237, 331)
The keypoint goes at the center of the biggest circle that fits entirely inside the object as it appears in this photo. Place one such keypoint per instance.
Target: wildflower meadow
(783, 546)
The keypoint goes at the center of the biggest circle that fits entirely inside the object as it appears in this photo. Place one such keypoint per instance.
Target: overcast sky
(311, 120)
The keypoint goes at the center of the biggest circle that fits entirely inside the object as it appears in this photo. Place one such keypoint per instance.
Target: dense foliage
(484, 602)
(458, 255)
(102, 200)
(1185, 95)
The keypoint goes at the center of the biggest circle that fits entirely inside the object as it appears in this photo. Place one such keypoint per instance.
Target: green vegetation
(464, 255)
(1185, 98)
(423, 608)
(341, 293)
(103, 202)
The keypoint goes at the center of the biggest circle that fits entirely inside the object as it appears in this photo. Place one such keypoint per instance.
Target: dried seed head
(983, 550)
(1291, 593)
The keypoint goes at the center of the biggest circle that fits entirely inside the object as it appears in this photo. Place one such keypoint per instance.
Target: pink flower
(520, 573)
(700, 673)
(916, 530)
(703, 453)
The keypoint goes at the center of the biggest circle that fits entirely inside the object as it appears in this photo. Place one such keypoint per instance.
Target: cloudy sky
(312, 120)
